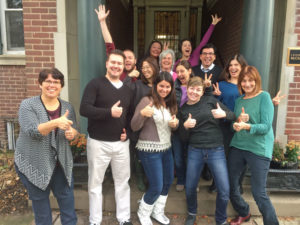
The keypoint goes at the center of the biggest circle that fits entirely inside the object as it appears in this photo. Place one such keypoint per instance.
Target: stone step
(285, 203)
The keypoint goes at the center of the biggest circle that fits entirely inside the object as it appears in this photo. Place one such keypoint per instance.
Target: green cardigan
(260, 138)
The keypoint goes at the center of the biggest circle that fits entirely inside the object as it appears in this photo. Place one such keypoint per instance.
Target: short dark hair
(186, 64)
(55, 73)
(116, 52)
(209, 45)
(128, 50)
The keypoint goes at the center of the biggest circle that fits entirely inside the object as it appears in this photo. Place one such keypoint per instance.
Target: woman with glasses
(43, 157)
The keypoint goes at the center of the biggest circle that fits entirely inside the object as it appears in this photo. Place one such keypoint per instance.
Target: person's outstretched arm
(102, 15)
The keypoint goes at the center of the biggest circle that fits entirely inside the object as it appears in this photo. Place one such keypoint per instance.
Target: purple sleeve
(194, 58)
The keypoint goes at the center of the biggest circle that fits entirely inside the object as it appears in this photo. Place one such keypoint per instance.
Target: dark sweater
(207, 132)
(98, 98)
(216, 71)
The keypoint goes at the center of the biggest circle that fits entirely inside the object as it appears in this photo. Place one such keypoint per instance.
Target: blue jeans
(259, 168)
(159, 169)
(216, 161)
(179, 149)
(40, 199)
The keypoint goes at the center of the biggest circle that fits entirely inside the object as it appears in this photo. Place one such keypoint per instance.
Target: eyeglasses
(146, 68)
(49, 82)
(207, 53)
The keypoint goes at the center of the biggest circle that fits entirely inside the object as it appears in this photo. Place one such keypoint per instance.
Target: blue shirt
(229, 94)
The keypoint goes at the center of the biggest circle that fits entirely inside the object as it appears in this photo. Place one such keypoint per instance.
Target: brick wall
(19, 82)
(12, 91)
(40, 22)
(227, 35)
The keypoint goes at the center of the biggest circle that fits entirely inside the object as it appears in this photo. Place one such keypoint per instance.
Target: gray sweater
(36, 155)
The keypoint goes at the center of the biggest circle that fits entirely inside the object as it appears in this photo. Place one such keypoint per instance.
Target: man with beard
(106, 102)
(130, 73)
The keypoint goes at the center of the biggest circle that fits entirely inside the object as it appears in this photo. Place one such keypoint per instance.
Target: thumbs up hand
(148, 111)
(116, 111)
(218, 113)
(238, 126)
(190, 122)
(123, 135)
(244, 117)
(173, 123)
(63, 122)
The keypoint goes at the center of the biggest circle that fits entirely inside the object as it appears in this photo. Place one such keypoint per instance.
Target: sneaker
(127, 222)
(190, 220)
(179, 187)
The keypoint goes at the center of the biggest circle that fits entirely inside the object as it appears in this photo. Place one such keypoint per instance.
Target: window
(12, 33)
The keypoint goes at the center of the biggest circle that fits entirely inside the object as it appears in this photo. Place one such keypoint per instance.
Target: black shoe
(127, 222)
(190, 220)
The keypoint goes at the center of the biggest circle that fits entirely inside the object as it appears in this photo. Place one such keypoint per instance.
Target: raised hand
(173, 123)
(123, 135)
(63, 122)
(69, 134)
(218, 113)
(207, 81)
(102, 15)
(277, 98)
(215, 19)
(190, 122)
(116, 111)
(244, 117)
(216, 89)
(148, 111)
(166, 45)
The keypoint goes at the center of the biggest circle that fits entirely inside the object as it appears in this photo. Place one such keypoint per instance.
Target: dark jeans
(179, 150)
(40, 199)
(259, 168)
(216, 161)
(159, 169)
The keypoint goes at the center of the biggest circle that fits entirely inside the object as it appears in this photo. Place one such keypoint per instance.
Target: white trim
(3, 9)
(287, 72)
(19, 60)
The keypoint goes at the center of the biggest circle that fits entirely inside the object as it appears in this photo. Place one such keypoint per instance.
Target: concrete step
(286, 204)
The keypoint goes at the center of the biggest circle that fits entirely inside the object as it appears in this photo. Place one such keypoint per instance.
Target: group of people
(162, 115)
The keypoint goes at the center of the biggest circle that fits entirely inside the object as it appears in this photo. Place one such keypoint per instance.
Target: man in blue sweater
(106, 102)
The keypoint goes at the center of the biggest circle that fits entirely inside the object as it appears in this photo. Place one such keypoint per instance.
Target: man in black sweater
(106, 102)
(207, 58)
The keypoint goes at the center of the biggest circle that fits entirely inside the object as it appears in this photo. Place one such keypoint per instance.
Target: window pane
(14, 4)
(14, 30)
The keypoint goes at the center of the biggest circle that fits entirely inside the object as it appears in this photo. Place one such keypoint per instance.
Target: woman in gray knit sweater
(155, 117)
(43, 156)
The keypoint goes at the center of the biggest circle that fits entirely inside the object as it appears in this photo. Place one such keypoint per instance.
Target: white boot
(144, 212)
(158, 212)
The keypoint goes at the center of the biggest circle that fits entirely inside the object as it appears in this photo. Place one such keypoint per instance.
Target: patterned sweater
(36, 155)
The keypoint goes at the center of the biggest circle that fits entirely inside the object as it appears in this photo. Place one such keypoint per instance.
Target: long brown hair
(241, 60)
(253, 73)
(170, 99)
(154, 66)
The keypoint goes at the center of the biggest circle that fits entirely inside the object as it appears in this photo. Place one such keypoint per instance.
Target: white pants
(99, 155)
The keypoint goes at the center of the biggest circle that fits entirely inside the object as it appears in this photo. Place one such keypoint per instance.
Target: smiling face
(166, 63)
(50, 87)
(248, 85)
(155, 49)
(194, 94)
(186, 49)
(147, 71)
(163, 88)
(183, 74)
(130, 61)
(234, 69)
(207, 57)
(114, 66)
